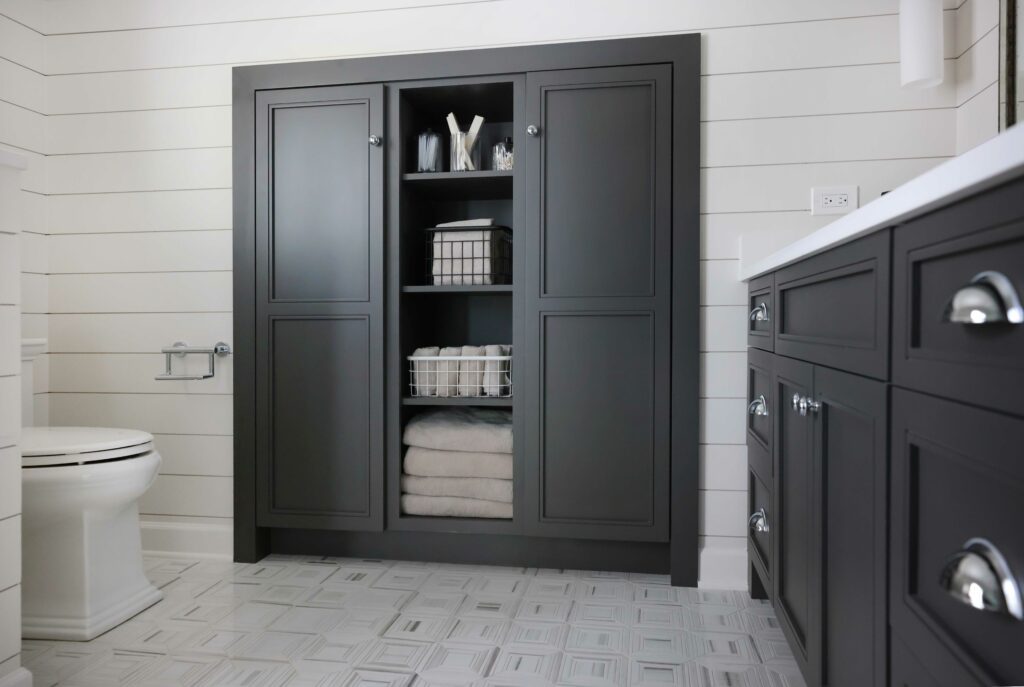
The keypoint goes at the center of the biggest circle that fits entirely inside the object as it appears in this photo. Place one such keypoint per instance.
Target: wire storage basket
(473, 376)
(470, 256)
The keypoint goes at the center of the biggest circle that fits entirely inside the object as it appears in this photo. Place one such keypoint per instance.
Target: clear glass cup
(463, 160)
(502, 158)
(428, 152)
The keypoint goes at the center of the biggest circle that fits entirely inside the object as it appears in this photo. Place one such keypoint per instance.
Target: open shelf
(498, 402)
(478, 185)
(459, 288)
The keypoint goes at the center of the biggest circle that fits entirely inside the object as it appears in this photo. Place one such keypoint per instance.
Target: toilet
(82, 568)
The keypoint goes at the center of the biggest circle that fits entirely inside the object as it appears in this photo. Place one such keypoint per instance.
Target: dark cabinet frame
(681, 54)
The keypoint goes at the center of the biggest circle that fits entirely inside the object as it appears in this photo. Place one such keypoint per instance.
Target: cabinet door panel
(797, 541)
(851, 447)
(319, 308)
(595, 371)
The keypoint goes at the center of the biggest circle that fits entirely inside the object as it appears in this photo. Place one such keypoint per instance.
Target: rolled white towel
(464, 487)
(425, 372)
(471, 372)
(428, 462)
(496, 372)
(448, 372)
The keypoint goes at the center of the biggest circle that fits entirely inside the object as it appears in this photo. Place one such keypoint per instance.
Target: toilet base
(84, 629)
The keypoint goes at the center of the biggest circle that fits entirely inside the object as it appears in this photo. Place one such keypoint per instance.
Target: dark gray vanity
(602, 310)
(886, 444)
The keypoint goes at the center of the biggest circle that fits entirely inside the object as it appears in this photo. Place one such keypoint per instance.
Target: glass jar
(463, 160)
(502, 158)
(428, 152)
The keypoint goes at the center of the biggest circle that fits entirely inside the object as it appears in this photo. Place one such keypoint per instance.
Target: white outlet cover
(820, 195)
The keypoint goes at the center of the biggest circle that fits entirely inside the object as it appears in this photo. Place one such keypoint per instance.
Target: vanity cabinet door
(797, 527)
(594, 381)
(319, 308)
(851, 447)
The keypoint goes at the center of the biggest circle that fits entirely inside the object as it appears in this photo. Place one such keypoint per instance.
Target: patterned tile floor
(326, 622)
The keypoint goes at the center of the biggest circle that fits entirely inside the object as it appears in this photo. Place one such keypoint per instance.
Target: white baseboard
(723, 563)
(19, 677)
(187, 539)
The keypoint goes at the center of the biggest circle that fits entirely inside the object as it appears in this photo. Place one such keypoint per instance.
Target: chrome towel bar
(182, 349)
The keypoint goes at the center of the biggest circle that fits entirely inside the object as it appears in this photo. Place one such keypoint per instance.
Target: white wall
(977, 72)
(137, 186)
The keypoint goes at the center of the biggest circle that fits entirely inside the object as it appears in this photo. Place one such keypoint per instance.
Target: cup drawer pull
(758, 521)
(760, 313)
(758, 407)
(979, 576)
(989, 299)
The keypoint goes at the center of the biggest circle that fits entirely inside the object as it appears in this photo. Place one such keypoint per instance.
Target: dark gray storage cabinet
(875, 482)
(333, 290)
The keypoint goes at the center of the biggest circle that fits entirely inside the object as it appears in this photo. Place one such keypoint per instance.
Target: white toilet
(81, 550)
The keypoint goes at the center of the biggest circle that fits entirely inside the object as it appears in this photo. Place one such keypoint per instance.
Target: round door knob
(532, 130)
(375, 140)
(978, 575)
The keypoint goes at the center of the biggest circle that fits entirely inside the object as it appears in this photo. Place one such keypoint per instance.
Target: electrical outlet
(833, 200)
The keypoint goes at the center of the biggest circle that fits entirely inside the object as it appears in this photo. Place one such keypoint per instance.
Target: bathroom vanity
(884, 432)
(330, 296)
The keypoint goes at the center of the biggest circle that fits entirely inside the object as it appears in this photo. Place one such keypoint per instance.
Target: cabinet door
(797, 540)
(597, 303)
(319, 311)
(850, 440)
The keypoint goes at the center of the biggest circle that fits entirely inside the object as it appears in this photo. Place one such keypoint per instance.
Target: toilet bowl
(81, 549)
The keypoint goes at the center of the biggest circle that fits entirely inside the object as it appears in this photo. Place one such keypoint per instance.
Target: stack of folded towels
(458, 464)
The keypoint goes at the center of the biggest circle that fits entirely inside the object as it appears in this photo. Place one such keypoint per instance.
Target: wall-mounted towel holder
(181, 349)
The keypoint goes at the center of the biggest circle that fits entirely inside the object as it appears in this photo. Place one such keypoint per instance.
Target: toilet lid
(45, 446)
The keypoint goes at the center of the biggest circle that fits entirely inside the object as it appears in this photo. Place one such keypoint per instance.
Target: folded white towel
(471, 372)
(454, 507)
(486, 430)
(464, 487)
(479, 222)
(428, 462)
(425, 372)
(496, 372)
(448, 372)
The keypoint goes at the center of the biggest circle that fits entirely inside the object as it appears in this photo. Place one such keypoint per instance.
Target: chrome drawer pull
(760, 313)
(979, 576)
(758, 522)
(804, 405)
(989, 299)
(759, 407)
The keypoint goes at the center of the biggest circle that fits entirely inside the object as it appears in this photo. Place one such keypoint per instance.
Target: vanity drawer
(957, 477)
(759, 527)
(761, 409)
(833, 309)
(934, 258)
(761, 310)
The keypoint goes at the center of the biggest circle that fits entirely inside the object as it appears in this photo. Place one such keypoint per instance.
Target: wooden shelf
(500, 402)
(459, 288)
(484, 184)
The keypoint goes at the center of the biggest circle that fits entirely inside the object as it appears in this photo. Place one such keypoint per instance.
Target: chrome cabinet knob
(804, 405)
(375, 140)
(988, 299)
(979, 576)
(532, 130)
(796, 401)
(760, 313)
(758, 407)
(758, 522)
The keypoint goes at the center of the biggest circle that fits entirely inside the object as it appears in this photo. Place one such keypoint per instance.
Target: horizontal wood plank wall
(137, 137)
(977, 72)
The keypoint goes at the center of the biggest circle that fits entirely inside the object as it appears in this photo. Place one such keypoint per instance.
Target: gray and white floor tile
(320, 621)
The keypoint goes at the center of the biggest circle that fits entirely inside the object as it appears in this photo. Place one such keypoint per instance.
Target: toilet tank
(31, 349)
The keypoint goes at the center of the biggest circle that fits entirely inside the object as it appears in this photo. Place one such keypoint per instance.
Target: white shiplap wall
(135, 122)
(977, 72)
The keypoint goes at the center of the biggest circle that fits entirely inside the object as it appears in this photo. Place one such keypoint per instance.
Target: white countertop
(983, 167)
